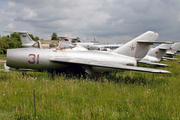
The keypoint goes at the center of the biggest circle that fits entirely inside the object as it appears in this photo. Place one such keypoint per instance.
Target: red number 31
(33, 60)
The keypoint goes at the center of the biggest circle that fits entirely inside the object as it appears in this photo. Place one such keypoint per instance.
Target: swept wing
(104, 64)
(152, 63)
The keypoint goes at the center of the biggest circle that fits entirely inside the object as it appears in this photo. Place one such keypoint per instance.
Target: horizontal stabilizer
(153, 42)
(152, 63)
(21, 32)
(163, 48)
(170, 53)
(105, 64)
(168, 58)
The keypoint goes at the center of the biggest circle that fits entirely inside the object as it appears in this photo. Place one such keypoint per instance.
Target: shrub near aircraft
(62, 58)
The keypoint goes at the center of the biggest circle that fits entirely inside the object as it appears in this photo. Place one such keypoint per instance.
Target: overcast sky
(109, 21)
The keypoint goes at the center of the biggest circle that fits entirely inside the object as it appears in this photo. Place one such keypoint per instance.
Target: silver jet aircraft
(62, 58)
(156, 54)
(172, 51)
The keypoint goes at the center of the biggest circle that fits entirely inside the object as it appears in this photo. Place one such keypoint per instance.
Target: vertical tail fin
(159, 51)
(173, 49)
(64, 39)
(25, 38)
(76, 40)
(65, 42)
(139, 46)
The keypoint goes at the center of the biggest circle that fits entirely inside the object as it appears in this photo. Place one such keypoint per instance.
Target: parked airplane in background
(26, 39)
(156, 54)
(172, 51)
(66, 42)
(60, 58)
(92, 45)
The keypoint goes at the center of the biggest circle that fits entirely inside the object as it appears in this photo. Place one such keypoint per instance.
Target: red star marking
(132, 47)
(66, 39)
(156, 52)
(170, 48)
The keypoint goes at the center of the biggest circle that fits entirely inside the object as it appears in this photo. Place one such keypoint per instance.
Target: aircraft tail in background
(25, 38)
(173, 49)
(139, 46)
(159, 51)
(156, 54)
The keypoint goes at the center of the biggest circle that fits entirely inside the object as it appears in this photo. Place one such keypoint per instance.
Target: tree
(32, 37)
(54, 36)
(8, 43)
(36, 38)
(16, 36)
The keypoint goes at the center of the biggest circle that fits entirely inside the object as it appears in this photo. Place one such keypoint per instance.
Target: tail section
(76, 40)
(25, 38)
(173, 49)
(64, 39)
(139, 46)
(160, 50)
(65, 42)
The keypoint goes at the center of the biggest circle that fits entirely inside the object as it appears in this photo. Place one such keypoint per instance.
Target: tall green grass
(117, 95)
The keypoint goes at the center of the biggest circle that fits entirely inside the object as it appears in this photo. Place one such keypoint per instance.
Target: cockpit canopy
(46, 44)
(53, 44)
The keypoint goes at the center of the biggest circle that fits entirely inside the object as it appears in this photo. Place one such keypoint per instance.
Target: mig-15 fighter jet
(155, 55)
(64, 58)
(171, 52)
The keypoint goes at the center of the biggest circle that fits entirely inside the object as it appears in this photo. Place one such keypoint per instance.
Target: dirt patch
(2, 60)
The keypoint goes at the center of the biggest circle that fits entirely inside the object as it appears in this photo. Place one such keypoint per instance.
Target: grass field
(117, 95)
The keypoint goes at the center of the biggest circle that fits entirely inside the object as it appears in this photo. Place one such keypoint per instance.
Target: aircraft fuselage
(39, 59)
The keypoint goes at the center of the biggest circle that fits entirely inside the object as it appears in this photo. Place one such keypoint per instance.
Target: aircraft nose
(14, 58)
(9, 57)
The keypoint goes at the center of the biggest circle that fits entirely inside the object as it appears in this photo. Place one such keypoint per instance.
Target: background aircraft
(172, 51)
(156, 54)
(123, 58)
(66, 42)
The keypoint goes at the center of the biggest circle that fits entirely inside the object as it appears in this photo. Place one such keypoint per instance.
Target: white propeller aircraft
(63, 58)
